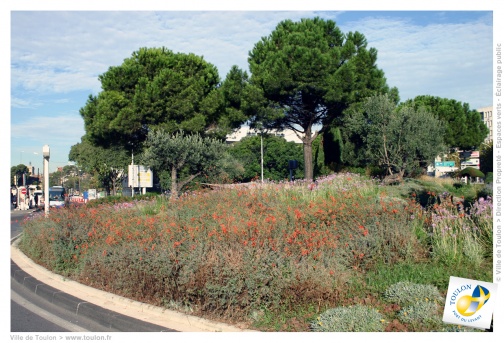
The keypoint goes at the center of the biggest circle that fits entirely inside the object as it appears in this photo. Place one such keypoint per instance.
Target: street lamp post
(46, 154)
(262, 159)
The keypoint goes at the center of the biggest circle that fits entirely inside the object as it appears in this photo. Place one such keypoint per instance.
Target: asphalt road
(16, 218)
(36, 307)
(47, 302)
(32, 313)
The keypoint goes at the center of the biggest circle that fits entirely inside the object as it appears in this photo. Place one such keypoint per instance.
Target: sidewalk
(105, 308)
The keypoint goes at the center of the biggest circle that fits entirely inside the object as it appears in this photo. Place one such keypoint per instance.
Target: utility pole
(131, 178)
(262, 159)
(46, 154)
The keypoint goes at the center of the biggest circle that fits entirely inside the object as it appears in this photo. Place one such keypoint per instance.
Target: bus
(56, 196)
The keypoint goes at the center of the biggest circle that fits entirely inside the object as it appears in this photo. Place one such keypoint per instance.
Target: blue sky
(53, 53)
(57, 56)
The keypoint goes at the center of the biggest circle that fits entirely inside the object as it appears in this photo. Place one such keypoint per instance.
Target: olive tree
(177, 153)
(398, 139)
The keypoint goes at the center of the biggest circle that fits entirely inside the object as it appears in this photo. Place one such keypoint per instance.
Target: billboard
(140, 176)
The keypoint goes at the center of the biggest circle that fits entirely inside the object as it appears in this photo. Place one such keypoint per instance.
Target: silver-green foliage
(407, 293)
(425, 312)
(176, 152)
(459, 328)
(395, 138)
(357, 318)
(420, 303)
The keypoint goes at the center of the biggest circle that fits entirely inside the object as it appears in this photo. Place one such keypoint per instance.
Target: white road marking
(46, 315)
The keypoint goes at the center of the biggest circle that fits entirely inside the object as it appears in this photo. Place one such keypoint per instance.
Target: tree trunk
(394, 178)
(174, 187)
(308, 154)
(181, 184)
(308, 161)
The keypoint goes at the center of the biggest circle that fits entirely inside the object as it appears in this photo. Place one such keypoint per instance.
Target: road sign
(132, 175)
(139, 176)
(23, 190)
(445, 164)
(144, 177)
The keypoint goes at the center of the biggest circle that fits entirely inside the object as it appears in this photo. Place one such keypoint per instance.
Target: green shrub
(489, 178)
(406, 293)
(462, 236)
(420, 304)
(471, 172)
(485, 192)
(277, 248)
(349, 319)
(421, 312)
(356, 170)
(458, 328)
(118, 199)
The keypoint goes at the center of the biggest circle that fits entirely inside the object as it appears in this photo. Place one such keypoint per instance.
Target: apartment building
(245, 131)
(486, 116)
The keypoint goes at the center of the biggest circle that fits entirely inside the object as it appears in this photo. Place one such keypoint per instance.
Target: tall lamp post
(46, 154)
(262, 159)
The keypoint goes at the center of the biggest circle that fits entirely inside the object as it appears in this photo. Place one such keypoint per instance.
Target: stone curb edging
(111, 302)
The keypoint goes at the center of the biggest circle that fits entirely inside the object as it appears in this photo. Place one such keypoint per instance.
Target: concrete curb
(106, 308)
(80, 309)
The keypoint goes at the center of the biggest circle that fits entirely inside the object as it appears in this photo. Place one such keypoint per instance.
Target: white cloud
(63, 129)
(66, 51)
(57, 54)
(30, 134)
(24, 103)
(447, 60)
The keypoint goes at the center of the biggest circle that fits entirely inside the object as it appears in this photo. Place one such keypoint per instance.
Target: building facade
(486, 116)
(245, 131)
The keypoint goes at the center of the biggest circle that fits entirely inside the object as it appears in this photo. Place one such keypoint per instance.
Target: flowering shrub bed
(460, 234)
(234, 252)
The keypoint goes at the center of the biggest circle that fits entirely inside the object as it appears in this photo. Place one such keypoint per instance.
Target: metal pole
(46, 179)
(46, 186)
(262, 160)
(133, 172)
